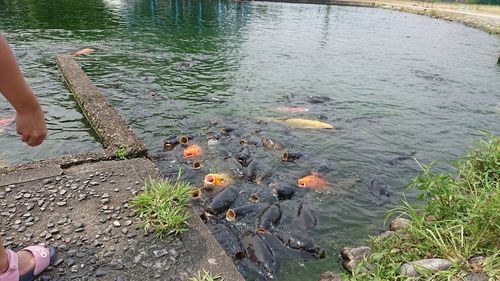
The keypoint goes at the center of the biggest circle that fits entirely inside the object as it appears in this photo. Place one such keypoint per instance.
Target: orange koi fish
(4, 122)
(313, 180)
(192, 150)
(85, 51)
(220, 180)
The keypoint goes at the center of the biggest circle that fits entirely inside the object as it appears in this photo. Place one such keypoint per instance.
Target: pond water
(399, 85)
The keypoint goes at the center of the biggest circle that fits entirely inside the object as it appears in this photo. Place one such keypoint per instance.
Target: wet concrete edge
(106, 121)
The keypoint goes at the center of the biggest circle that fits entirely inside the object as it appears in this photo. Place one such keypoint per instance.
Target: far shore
(484, 17)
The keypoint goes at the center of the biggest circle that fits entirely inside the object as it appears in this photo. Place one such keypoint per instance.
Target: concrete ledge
(61, 162)
(106, 121)
(85, 185)
(206, 252)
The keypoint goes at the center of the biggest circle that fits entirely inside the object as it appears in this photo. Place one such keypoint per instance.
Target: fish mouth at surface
(184, 140)
(284, 156)
(209, 179)
(254, 198)
(197, 165)
(230, 215)
(195, 193)
(261, 230)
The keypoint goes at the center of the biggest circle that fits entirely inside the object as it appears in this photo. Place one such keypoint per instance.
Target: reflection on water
(400, 85)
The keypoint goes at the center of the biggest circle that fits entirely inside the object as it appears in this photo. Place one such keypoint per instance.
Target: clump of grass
(121, 152)
(163, 206)
(207, 276)
(465, 210)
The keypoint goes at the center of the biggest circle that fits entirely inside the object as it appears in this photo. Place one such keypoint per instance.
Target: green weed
(121, 152)
(460, 219)
(207, 276)
(163, 206)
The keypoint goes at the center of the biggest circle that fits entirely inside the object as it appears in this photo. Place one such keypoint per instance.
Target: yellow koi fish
(301, 123)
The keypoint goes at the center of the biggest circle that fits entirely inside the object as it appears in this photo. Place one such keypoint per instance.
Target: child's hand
(31, 126)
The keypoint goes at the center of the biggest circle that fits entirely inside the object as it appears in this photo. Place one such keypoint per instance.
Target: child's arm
(30, 122)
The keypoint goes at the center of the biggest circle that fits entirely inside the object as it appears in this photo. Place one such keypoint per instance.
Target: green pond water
(399, 84)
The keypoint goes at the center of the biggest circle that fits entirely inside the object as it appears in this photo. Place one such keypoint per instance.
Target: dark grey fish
(222, 201)
(269, 216)
(260, 253)
(244, 156)
(290, 156)
(235, 167)
(170, 143)
(227, 239)
(324, 167)
(284, 192)
(251, 170)
(306, 216)
(379, 189)
(236, 213)
(318, 99)
(322, 117)
(249, 141)
(226, 130)
(263, 176)
(272, 144)
(215, 136)
(185, 65)
(396, 162)
(301, 242)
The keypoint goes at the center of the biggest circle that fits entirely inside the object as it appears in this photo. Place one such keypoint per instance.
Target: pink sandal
(44, 256)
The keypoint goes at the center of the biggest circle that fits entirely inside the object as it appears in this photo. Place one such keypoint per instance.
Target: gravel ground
(84, 213)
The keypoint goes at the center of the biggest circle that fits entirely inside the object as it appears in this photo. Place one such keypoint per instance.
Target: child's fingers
(25, 138)
(35, 141)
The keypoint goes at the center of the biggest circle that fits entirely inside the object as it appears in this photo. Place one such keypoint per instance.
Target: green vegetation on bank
(207, 276)
(460, 220)
(163, 206)
(484, 2)
(121, 152)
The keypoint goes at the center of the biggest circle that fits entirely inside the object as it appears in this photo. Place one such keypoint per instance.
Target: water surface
(399, 84)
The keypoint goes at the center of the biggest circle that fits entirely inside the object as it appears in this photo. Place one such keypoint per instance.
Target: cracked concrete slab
(84, 212)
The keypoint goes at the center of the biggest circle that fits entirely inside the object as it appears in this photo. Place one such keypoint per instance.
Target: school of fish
(250, 210)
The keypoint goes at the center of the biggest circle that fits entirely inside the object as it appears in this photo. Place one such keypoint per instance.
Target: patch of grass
(465, 210)
(121, 152)
(163, 206)
(207, 276)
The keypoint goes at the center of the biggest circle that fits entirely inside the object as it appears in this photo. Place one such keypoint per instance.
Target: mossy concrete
(106, 121)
